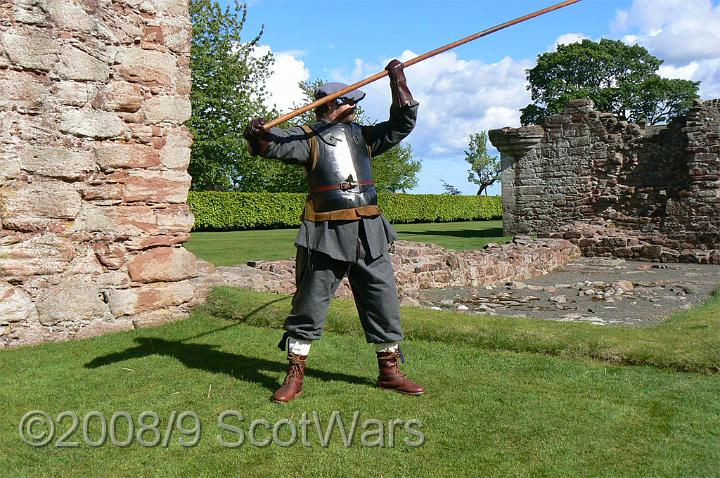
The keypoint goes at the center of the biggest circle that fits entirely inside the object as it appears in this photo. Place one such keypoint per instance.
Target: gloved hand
(401, 95)
(258, 138)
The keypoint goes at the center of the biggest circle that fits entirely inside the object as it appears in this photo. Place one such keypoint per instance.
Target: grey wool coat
(339, 239)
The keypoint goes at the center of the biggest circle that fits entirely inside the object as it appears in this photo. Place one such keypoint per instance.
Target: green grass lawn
(688, 341)
(236, 247)
(486, 413)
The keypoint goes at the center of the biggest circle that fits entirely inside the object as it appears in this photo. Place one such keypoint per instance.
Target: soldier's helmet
(333, 87)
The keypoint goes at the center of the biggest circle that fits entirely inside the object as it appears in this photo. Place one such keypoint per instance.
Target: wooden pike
(417, 59)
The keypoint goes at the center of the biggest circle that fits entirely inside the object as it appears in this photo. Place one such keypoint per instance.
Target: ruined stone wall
(658, 185)
(419, 266)
(93, 160)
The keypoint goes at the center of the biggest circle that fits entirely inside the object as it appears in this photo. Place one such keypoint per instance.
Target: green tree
(395, 170)
(484, 169)
(228, 88)
(308, 88)
(619, 78)
(665, 99)
(449, 188)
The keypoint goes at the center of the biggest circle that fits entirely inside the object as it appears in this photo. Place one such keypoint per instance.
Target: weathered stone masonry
(93, 161)
(421, 266)
(616, 188)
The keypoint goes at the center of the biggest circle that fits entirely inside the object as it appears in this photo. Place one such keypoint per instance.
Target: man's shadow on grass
(207, 357)
(466, 233)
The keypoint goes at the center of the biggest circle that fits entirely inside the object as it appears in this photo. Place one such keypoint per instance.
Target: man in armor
(343, 231)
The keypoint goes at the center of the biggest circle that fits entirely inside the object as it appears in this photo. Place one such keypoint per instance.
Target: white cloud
(567, 39)
(457, 97)
(286, 72)
(708, 73)
(684, 33)
(630, 39)
(620, 23)
(679, 72)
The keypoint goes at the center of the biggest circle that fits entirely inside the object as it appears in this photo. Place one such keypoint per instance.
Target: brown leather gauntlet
(401, 95)
(257, 137)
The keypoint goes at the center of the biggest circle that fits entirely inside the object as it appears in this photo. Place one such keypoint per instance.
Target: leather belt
(344, 186)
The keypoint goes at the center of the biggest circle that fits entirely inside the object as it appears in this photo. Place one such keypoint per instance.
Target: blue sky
(477, 86)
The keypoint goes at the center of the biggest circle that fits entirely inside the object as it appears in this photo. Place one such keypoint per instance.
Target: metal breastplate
(342, 158)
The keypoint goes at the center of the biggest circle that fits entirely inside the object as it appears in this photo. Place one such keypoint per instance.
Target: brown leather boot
(293, 385)
(392, 378)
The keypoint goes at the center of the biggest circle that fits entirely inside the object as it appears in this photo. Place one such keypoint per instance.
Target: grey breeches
(373, 286)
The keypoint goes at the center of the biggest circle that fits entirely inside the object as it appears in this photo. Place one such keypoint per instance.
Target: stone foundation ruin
(419, 266)
(616, 188)
(93, 161)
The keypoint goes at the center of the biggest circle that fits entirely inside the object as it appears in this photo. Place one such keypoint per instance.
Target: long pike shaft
(417, 59)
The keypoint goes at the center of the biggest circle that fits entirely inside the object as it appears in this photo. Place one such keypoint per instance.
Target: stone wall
(659, 186)
(93, 160)
(420, 266)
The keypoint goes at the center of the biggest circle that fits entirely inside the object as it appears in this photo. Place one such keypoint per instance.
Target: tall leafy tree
(395, 170)
(450, 189)
(619, 78)
(228, 88)
(484, 169)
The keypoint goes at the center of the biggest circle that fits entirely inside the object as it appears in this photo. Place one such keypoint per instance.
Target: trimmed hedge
(408, 208)
(223, 211)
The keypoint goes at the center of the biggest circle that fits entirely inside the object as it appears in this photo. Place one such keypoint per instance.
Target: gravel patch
(600, 291)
